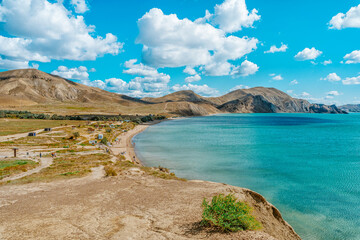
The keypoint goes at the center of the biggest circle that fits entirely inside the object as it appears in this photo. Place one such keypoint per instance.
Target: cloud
(327, 62)
(308, 54)
(239, 87)
(79, 73)
(349, 20)
(290, 91)
(148, 82)
(41, 30)
(194, 78)
(353, 57)
(305, 94)
(276, 77)
(204, 90)
(80, 6)
(233, 15)
(274, 49)
(172, 42)
(10, 64)
(333, 93)
(245, 69)
(294, 82)
(332, 77)
(352, 81)
(190, 71)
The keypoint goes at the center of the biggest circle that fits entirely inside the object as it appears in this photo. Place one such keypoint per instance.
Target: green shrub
(228, 215)
(104, 141)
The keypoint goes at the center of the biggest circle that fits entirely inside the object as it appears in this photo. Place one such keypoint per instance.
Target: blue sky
(142, 47)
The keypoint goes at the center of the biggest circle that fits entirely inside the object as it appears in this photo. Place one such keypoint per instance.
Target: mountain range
(31, 89)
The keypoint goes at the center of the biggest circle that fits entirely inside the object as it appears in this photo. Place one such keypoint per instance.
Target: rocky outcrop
(350, 108)
(321, 108)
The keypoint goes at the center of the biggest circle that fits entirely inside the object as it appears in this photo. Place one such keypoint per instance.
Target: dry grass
(11, 167)
(158, 172)
(14, 126)
(67, 167)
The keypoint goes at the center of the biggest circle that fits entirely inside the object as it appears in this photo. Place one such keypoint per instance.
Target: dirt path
(44, 163)
(21, 135)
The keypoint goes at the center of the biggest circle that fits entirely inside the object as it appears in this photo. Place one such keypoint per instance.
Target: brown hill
(33, 90)
(36, 87)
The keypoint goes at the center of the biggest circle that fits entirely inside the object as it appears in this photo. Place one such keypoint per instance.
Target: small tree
(104, 141)
(228, 215)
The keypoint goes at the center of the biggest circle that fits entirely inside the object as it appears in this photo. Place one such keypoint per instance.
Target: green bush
(104, 141)
(228, 215)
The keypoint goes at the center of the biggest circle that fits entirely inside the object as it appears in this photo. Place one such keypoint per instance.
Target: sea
(307, 165)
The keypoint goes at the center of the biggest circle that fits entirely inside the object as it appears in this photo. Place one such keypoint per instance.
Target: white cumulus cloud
(276, 77)
(203, 90)
(172, 42)
(80, 6)
(333, 93)
(308, 54)
(190, 71)
(274, 49)
(79, 73)
(327, 62)
(41, 30)
(294, 82)
(233, 15)
(351, 19)
(351, 81)
(353, 57)
(237, 87)
(194, 78)
(245, 69)
(10, 64)
(332, 77)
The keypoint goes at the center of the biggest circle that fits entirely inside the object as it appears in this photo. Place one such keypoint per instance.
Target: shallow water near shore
(307, 165)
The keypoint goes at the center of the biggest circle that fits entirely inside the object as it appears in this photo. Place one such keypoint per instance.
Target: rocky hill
(350, 107)
(31, 89)
(36, 87)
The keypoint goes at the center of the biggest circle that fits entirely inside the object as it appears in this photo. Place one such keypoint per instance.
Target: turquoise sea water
(307, 165)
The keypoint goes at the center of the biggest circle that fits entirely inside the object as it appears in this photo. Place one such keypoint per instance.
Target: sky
(149, 48)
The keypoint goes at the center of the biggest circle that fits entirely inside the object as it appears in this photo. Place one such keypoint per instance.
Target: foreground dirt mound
(133, 206)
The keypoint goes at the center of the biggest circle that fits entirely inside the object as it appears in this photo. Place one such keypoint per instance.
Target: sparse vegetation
(109, 171)
(227, 214)
(67, 166)
(10, 167)
(14, 126)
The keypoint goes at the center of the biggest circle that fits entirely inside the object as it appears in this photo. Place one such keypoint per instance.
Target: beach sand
(125, 145)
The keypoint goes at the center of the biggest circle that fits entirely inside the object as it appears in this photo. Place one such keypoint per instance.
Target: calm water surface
(307, 165)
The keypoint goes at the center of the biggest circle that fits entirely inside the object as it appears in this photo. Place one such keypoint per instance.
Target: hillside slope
(33, 90)
(351, 107)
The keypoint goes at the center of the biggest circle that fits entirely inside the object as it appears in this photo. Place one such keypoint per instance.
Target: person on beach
(40, 155)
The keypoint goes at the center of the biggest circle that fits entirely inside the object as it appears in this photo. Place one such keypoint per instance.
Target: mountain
(35, 87)
(33, 90)
(350, 107)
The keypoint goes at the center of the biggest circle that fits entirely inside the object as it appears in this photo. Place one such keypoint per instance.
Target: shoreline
(126, 145)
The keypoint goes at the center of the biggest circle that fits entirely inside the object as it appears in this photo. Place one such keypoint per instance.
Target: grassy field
(14, 126)
(10, 167)
(67, 167)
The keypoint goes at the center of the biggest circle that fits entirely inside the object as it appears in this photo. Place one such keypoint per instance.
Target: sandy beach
(125, 145)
